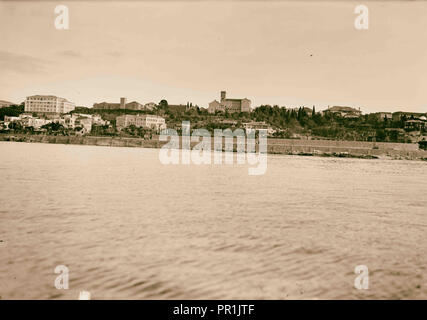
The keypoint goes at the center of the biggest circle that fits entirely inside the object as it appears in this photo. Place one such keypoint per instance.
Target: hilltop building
(134, 105)
(48, 104)
(384, 116)
(106, 106)
(345, 112)
(230, 105)
(401, 115)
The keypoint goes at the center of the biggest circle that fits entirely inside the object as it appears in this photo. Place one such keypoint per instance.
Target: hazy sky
(286, 53)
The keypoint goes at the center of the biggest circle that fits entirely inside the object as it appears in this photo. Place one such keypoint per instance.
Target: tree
(54, 127)
(16, 126)
(380, 135)
(423, 145)
(163, 104)
(12, 111)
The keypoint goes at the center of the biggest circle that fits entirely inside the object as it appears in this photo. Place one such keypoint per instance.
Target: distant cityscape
(50, 114)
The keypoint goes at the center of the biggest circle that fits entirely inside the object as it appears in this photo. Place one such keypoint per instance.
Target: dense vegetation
(288, 123)
(298, 122)
(12, 111)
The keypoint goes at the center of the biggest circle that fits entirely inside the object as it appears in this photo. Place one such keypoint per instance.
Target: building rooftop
(341, 108)
(47, 96)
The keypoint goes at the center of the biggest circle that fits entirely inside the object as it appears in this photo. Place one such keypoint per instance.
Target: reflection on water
(129, 227)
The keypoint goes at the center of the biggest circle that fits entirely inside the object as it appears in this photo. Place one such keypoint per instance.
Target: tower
(122, 103)
(223, 94)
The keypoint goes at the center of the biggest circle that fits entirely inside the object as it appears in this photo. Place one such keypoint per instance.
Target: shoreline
(319, 148)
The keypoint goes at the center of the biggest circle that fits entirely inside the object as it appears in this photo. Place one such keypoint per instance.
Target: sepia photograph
(227, 150)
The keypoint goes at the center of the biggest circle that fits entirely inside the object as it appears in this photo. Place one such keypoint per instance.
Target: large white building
(48, 104)
(230, 105)
(141, 120)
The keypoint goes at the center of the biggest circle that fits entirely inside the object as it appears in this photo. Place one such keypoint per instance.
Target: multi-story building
(36, 123)
(74, 120)
(384, 116)
(230, 105)
(48, 104)
(401, 115)
(141, 120)
(106, 106)
(134, 105)
(345, 112)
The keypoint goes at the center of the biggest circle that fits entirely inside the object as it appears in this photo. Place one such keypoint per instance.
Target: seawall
(361, 149)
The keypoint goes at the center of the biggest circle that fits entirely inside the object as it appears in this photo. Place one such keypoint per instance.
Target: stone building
(229, 105)
(134, 105)
(345, 112)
